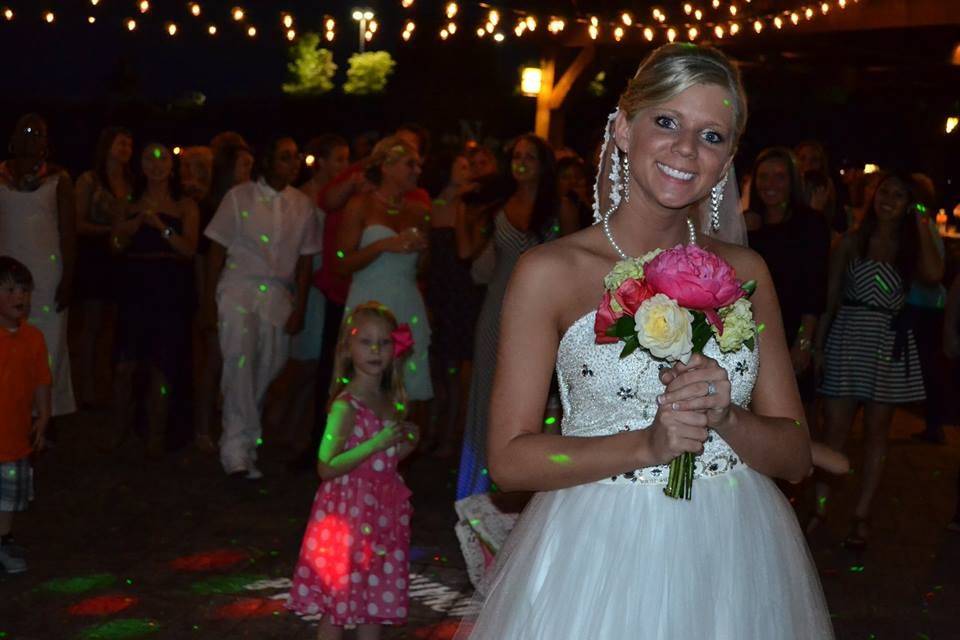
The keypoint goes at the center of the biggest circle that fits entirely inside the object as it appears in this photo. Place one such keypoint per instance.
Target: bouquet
(671, 303)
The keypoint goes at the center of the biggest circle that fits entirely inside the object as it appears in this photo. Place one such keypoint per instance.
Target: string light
(444, 34)
(91, 19)
(408, 30)
(94, 2)
(671, 34)
(698, 14)
(329, 25)
(452, 28)
(481, 32)
(825, 8)
(594, 29)
(212, 29)
(520, 27)
(618, 34)
(692, 32)
(237, 13)
(715, 4)
(531, 23)
(842, 4)
(130, 24)
(688, 8)
(144, 6)
(718, 31)
(8, 14)
(656, 13)
(499, 37)
(195, 9)
(808, 13)
(48, 17)
(794, 18)
(406, 4)
(734, 28)
(648, 34)
(493, 17)
(291, 35)
(171, 28)
(252, 31)
(757, 26)
(778, 22)
(286, 20)
(733, 9)
(176, 151)
(452, 10)
(626, 18)
(556, 25)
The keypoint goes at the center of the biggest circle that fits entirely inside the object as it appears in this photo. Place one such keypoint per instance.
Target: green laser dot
(483, 471)
(163, 389)
(259, 442)
(244, 214)
(761, 328)
(452, 371)
(400, 406)
(426, 218)
(797, 423)
(263, 288)
(366, 529)
(474, 522)
(414, 320)
(46, 308)
(242, 361)
(726, 102)
(411, 437)
(560, 458)
(340, 254)
(550, 420)
(345, 380)
(129, 581)
(53, 257)
(157, 153)
(413, 366)
(264, 238)
(822, 501)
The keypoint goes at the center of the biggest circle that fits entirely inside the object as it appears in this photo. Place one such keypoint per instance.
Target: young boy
(24, 402)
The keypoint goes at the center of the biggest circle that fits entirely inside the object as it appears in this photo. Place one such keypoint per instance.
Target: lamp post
(364, 18)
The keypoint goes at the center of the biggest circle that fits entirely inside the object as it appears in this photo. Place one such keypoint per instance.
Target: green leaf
(749, 286)
(623, 328)
(630, 345)
(750, 343)
(701, 331)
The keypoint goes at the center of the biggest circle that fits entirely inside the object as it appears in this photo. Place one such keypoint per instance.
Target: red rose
(605, 319)
(631, 294)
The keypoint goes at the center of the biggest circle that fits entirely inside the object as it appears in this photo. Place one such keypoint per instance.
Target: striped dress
(871, 353)
(508, 244)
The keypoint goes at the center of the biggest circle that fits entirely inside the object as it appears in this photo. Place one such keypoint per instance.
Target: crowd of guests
(224, 267)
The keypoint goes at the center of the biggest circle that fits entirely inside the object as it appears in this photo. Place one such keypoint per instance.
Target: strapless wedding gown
(617, 559)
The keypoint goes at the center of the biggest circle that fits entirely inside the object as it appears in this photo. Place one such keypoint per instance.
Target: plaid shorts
(16, 485)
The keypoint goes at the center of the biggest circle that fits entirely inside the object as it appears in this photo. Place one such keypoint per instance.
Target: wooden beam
(576, 68)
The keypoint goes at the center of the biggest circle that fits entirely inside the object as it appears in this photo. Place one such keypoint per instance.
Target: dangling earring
(625, 180)
(716, 197)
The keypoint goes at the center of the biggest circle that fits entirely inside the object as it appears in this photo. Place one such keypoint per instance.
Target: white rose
(664, 328)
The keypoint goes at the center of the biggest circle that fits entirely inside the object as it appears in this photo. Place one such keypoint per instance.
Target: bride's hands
(689, 386)
(674, 432)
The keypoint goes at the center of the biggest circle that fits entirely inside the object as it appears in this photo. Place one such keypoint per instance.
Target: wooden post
(551, 97)
(545, 97)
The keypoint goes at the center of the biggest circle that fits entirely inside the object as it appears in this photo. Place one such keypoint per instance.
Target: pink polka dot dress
(353, 566)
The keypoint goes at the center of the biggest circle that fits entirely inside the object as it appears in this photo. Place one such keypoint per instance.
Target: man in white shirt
(265, 232)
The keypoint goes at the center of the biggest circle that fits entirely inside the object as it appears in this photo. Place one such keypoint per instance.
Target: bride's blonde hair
(673, 68)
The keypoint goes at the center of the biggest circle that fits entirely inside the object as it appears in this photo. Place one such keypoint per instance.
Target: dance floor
(120, 547)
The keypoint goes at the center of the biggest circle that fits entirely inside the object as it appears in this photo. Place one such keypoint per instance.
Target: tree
(311, 68)
(368, 73)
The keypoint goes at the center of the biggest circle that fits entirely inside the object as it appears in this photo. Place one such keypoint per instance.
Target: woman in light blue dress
(381, 242)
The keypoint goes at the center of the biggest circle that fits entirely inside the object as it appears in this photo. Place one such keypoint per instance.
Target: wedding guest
(265, 232)
(101, 194)
(38, 227)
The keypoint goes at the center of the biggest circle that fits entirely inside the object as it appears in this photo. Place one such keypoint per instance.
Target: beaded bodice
(603, 395)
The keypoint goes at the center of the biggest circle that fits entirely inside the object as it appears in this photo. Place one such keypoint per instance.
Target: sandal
(856, 540)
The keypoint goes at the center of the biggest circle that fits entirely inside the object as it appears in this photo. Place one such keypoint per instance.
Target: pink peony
(696, 279)
(631, 294)
(605, 319)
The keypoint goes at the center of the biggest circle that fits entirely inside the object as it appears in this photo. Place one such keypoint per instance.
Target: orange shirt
(23, 368)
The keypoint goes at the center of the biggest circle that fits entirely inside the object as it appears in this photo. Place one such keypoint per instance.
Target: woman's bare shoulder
(748, 264)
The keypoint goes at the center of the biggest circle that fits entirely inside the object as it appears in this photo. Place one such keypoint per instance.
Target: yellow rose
(738, 325)
(664, 328)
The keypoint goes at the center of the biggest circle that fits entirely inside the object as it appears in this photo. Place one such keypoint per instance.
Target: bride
(601, 553)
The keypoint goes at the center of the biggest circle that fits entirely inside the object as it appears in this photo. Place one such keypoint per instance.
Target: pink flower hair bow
(402, 340)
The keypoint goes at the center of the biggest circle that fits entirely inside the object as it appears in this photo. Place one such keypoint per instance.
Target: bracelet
(806, 344)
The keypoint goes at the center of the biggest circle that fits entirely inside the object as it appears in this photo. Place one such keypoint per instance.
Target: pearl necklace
(691, 236)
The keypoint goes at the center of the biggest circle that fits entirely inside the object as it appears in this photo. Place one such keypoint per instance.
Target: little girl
(353, 565)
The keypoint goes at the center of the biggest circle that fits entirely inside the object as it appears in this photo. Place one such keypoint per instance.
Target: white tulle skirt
(623, 561)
